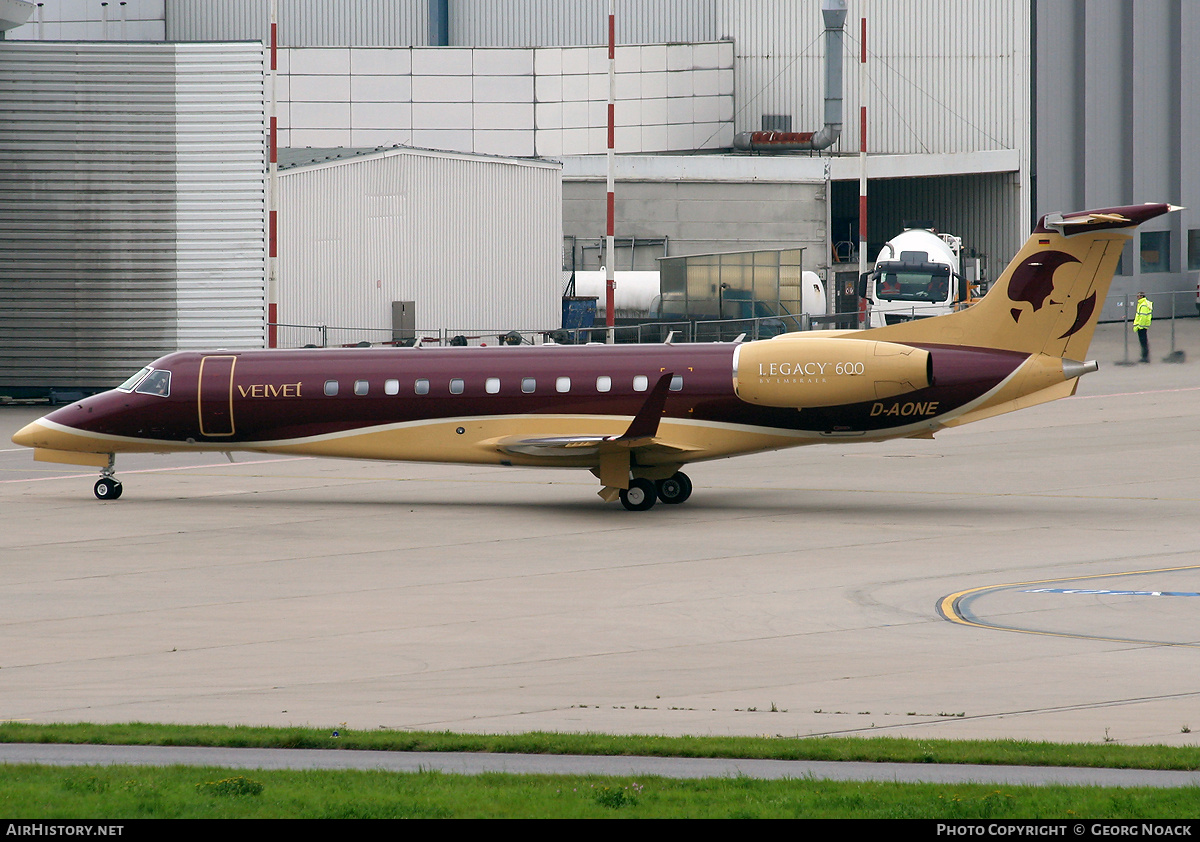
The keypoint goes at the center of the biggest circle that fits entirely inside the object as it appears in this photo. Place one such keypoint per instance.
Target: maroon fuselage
(268, 396)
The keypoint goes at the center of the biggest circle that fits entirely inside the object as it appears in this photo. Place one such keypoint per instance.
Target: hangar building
(980, 115)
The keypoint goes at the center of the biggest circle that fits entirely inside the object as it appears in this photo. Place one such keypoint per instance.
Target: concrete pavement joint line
(350, 481)
(163, 470)
(1132, 394)
(1110, 703)
(953, 608)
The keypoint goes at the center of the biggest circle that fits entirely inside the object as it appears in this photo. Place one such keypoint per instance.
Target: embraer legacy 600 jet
(633, 415)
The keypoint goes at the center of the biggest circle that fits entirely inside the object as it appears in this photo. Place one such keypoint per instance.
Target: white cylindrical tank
(813, 294)
(919, 239)
(634, 293)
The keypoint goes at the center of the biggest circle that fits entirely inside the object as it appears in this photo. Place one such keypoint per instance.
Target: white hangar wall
(942, 77)
(475, 242)
(132, 206)
(549, 101)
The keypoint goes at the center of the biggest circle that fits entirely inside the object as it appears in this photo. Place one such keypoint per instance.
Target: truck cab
(916, 276)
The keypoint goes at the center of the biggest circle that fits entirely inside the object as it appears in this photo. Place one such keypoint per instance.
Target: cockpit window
(128, 385)
(156, 383)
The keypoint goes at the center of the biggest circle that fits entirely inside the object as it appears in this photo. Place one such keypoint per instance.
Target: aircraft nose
(31, 435)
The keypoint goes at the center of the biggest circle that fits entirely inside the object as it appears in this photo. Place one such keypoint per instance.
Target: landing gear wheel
(107, 488)
(674, 489)
(639, 496)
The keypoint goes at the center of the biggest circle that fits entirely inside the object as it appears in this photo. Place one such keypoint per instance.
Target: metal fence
(727, 330)
(1181, 304)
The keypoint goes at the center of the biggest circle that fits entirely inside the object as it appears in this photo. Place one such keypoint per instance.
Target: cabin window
(128, 385)
(603, 383)
(421, 387)
(361, 387)
(491, 385)
(331, 388)
(677, 383)
(563, 384)
(640, 383)
(456, 386)
(528, 385)
(391, 387)
(156, 383)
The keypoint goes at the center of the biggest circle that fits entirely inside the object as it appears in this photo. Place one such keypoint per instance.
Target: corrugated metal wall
(476, 242)
(943, 77)
(405, 23)
(302, 23)
(132, 200)
(220, 195)
(552, 23)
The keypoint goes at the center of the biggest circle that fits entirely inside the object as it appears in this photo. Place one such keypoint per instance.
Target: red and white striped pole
(610, 282)
(862, 161)
(273, 196)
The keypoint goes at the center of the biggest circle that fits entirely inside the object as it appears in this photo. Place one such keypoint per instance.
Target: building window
(640, 383)
(603, 383)
(1156, 251)
(421, 387)
(563, 384)
(361, 387)
(456, 386)
(391, 387)
(331, 388)
(491, 385)
(1194, 249)
(528, 385)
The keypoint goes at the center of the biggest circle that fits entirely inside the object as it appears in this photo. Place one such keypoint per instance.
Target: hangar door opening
(982, 209)
(404, 320)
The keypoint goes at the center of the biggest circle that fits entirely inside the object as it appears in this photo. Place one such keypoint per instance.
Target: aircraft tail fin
(1048, 299)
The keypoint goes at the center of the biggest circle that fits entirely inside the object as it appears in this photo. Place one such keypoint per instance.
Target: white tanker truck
(917, 275)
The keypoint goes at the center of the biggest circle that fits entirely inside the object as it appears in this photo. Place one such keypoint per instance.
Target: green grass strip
(115, 793)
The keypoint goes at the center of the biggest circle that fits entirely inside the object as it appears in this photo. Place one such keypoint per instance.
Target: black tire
(674, 489)
(639, 496)
(107, 488)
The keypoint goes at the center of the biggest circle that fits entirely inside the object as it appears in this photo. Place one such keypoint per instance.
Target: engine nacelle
(811, 371)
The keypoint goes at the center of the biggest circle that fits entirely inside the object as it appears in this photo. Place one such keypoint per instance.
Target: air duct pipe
(834, 14)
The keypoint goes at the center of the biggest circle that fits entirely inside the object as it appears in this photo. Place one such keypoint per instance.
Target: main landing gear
(108, 487)
(642, 494)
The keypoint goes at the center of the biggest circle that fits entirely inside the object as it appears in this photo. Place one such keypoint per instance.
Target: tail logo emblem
(1033, 280)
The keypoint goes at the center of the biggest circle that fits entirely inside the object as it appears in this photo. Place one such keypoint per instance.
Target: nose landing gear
(108, 487)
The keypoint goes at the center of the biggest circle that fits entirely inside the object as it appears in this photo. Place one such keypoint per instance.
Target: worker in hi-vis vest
(1141, 324)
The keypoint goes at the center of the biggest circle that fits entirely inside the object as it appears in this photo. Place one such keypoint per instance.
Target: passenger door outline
(214, 395)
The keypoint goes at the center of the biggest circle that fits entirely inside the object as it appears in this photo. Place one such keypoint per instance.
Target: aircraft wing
(576, 446)
(641, 435)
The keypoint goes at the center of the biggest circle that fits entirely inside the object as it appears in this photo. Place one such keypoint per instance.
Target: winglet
(645, 423)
